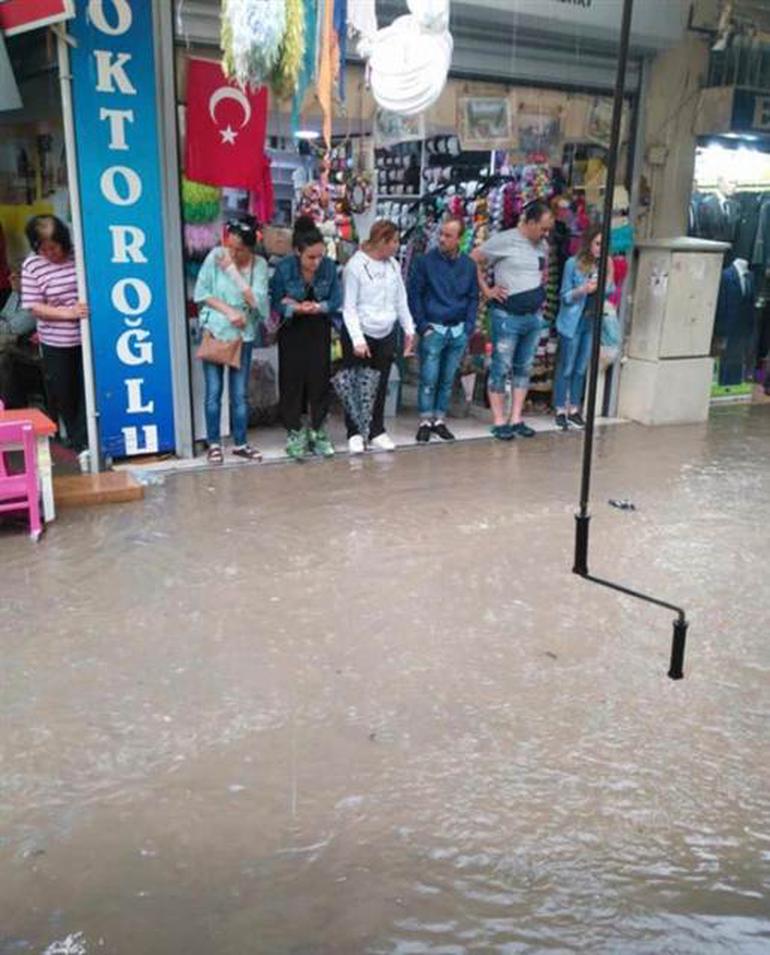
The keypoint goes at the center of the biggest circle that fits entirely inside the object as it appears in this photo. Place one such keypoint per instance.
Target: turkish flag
(225, 129)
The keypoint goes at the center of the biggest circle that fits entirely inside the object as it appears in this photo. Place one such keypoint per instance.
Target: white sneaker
(383, 442)
(84, 461)
(356, 444)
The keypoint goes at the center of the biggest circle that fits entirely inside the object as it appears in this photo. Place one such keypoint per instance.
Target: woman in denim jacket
(305, 293)
(573, 323)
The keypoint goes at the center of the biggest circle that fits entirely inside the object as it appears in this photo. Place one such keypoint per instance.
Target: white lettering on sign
(134, 391)
(132, 191)
(118, 119)
(577, 3)
(761, 113)
(127, 242)
(141, 292)
(131, 437)
(111, 77)
(124, 17)
(133, 347)
(131, 297)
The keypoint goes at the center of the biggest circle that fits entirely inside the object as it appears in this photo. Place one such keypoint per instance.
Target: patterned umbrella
(356, 388)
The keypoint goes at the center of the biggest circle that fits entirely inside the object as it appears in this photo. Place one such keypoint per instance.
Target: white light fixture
(308, 134)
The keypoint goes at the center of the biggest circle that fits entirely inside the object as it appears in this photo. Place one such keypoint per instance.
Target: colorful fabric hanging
(326, 69)
(252, 34)
(308, 67)
(341, 36)
(287, 72)
(200, 202)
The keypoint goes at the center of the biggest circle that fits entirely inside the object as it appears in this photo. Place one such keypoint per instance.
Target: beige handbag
(219, 352)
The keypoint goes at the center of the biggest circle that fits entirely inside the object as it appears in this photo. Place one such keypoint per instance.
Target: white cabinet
(667, 376)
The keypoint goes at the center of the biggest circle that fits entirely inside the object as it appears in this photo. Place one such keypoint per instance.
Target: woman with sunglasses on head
(49, 290)
(305, 293)
(232, 297)
(375, 302)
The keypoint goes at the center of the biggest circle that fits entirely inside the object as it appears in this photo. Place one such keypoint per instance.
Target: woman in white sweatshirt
(375, 301)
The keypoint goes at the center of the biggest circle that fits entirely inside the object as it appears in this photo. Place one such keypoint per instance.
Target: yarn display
(200, 202)
(285, 79)
(200, 239)
(252, 39)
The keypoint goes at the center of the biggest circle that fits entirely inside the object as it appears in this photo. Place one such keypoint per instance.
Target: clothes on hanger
(735, 322)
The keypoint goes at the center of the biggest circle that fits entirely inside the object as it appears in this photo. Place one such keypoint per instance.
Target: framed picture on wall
(484, 122)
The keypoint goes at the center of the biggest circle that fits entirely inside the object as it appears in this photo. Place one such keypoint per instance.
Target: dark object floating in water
(623, 505)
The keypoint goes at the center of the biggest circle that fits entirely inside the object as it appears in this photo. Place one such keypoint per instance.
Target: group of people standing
(305, 300)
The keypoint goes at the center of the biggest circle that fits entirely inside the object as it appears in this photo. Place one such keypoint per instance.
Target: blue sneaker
(502, 432)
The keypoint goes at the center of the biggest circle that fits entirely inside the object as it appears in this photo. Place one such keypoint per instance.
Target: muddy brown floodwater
(364, 707)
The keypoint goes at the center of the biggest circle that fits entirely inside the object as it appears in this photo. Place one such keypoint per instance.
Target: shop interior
(481, 152)
(33, 181)
(731, 203)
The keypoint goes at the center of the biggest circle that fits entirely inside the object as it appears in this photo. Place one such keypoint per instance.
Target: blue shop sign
(118, 159)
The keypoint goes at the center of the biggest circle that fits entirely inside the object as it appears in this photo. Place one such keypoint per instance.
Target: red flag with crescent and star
(225, 129)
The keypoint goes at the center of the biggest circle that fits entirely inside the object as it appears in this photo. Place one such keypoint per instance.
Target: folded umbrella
(356, 388)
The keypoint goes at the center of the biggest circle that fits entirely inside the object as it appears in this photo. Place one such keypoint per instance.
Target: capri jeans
(514, 341)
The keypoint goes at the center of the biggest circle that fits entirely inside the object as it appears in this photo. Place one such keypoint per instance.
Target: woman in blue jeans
(232, 296)
(573, 323)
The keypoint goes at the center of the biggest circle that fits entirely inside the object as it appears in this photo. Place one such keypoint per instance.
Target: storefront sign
(118, 170)
(17, 16)
(751, 112)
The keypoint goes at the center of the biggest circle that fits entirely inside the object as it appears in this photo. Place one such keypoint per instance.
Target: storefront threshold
(271, 441)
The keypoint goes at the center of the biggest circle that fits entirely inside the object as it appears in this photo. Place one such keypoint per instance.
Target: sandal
(248, 453)
(214, 455)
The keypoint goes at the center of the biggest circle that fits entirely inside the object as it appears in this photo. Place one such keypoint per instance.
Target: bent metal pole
(583, 518)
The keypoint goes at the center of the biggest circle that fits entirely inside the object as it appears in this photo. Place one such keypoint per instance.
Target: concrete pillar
(668, 142)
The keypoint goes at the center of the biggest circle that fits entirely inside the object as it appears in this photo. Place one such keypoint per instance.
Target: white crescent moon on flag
(229, 92)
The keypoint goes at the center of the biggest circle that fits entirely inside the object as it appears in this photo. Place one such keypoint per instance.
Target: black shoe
(442, 431)
(561, 422)
(576, 420)
(523, 430)
(423, 434)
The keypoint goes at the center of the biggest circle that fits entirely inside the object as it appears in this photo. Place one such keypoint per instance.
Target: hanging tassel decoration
(308, 67)
(251, 38)
(287, 72)
(200, 203)
(326, 70)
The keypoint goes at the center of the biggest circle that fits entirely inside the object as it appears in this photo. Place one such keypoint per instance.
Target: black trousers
(304, 370)
(383, 352)
(63, 372)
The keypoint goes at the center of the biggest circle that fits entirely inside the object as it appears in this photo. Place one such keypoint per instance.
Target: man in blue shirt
(444, 300)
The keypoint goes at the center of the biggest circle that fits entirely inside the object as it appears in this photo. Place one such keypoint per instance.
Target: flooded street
(364, 707)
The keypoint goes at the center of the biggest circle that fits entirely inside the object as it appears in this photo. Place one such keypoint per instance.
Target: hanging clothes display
(735, 322)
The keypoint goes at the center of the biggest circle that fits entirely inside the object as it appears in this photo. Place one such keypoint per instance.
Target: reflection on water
(368, 709)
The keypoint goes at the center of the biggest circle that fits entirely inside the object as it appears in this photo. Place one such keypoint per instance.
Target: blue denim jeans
(514, 342)
(440, 356)
(571, 366)
(214, 376)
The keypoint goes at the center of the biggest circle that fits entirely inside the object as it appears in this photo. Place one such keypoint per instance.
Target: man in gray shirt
(519, 258)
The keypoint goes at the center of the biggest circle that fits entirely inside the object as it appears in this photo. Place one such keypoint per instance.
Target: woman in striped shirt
(49, 290)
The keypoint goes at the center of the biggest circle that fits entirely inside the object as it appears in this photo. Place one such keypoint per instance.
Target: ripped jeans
(514, 341)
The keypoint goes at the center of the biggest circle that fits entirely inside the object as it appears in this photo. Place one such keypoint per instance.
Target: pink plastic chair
(20, 492)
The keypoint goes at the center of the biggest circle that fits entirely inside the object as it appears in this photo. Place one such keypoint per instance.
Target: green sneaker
(297, 445)
(321, 443)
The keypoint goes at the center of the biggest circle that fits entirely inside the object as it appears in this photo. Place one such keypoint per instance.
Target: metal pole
(676, 668)
(92, 414)
(583, 518)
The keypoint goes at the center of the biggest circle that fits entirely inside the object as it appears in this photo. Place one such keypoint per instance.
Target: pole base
(676, 670)
(581, 545)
